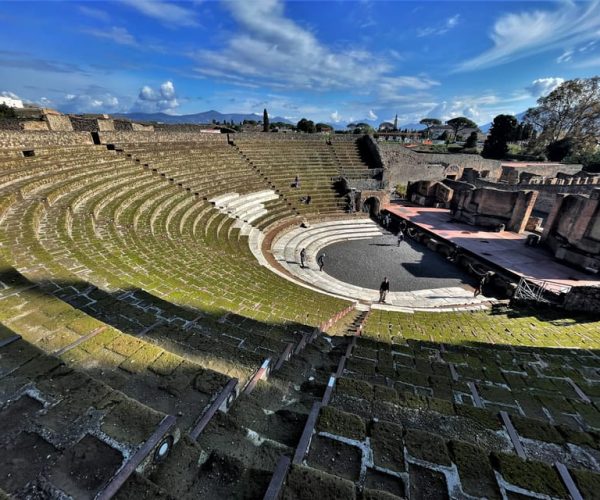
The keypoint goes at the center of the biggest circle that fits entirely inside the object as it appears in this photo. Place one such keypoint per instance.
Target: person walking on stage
(400, 237)
(384, 288)
(302, 257)
(321, 261)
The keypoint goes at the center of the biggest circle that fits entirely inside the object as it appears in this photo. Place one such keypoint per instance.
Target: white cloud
(371, 115)
(115, 34)
(102, 102)
(522, 34)
(162, 99)
(336, 117)
(442, 29)
(566, 56)
(543, 86)
(271, 49)
(10, 95)
(166, 12)
(98, 14)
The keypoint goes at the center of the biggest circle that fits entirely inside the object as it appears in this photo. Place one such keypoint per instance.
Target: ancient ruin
(160, 335)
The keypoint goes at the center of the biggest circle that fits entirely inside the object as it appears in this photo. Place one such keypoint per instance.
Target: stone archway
(452, 172)
(373, 201)
(372, 205)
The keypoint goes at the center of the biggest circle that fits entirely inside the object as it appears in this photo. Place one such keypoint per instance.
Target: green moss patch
(479, 415)
(355, 388)
(387, 445)
(125, 345)
(142, 358)
(341, 423)
(587, 482)
(476, 474)
(534, 476)
(165, 364)
(427, 446)
(536, 429)
(307, 483)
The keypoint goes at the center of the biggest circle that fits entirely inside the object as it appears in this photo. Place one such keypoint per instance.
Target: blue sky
(334, 61)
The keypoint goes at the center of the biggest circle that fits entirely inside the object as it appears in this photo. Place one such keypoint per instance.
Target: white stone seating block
(222, 200)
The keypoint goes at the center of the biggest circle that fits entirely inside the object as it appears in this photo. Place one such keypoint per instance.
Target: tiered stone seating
(424, 407)
(64, 429)
(312, 161)
(129, 307)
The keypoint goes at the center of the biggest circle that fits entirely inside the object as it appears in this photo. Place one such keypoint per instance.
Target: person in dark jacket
(321, 261)
(384, 288)
(302, 257)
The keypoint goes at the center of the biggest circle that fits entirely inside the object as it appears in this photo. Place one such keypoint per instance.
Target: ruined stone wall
(548, 190)
(512, 174)
(84, 124)
(404, 165)
(371, 146)
(12, 139)
(58, 123)
(583, 298)
(122, 137)
(493, 207)
(34, 125)
(572, 230)
(138, 127)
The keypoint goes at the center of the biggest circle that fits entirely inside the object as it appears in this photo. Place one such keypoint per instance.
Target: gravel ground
(411, 266)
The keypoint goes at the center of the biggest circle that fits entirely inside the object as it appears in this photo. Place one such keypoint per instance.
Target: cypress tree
(265, 121)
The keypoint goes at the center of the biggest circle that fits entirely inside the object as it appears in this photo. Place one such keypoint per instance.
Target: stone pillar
(522, 211)
(585, 217)
(552, 216)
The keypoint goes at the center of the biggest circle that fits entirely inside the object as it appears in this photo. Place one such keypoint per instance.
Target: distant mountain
(486, 128)
(197, 118)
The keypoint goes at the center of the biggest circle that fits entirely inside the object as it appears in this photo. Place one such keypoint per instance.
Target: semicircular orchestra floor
(359, 253)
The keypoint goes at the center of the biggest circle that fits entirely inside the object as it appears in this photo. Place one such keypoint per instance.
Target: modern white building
(10, 102)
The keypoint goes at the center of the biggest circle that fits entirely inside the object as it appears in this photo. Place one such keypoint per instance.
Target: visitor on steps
(384, 288)
(321, 261)
(400, 237)
(296, 182)
(302, 257)
(484, 279)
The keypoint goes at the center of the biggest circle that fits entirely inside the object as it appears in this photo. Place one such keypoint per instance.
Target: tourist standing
(302, 257)
(384, 288)
(321, 261)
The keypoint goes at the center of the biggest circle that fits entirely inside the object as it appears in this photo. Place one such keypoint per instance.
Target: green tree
(570, 110)
(471, 141)
(323, 127)
(558, 150)
(7, 111)
(395, 123)
(307, 126)
(429, 123)
(265, 120)
(460, 123)
(502, 131)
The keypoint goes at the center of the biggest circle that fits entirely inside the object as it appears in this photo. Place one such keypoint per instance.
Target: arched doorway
(372, 206)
